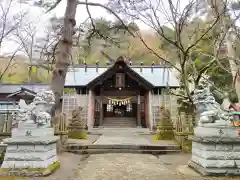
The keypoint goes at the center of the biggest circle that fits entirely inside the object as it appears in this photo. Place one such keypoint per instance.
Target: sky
(39, 17)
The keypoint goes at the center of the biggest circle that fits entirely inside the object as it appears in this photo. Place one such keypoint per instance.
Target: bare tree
(10, 62)
(181, 18)
(141, 10)
(26, 36)
(10, 21)
(65, 45)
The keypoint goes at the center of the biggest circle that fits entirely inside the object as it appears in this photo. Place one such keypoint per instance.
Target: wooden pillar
(89, 116)
(151, 122)
(101, 107)
(138, 110)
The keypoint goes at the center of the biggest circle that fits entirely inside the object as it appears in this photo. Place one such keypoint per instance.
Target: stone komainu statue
(76, 126)
(209, 110)
(165, 126)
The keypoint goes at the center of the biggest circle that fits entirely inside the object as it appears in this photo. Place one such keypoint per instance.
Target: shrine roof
(12, 88)
(157, 75)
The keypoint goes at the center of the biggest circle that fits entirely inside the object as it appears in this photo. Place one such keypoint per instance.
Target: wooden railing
(60, 124)
(184, 130)
(5, 125)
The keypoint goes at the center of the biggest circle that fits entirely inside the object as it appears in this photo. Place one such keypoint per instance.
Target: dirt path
(122, 167)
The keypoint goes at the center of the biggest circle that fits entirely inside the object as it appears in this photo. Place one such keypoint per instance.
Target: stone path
(111, 140)
(134, 136)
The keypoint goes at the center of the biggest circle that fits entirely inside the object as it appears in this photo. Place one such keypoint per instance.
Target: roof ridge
(132, 66)
(2, 84)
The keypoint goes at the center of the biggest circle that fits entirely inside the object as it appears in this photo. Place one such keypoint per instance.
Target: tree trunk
(63, 54)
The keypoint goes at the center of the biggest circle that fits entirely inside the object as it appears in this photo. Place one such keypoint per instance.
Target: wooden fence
(184, 125)
(6, 121)
(60, 124)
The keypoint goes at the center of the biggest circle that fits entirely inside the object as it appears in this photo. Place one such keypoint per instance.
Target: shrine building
(120, 94)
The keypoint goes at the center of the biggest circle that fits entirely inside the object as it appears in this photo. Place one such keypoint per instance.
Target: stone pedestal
(216, 151)
(76, 126)
(31, 151)
(165, 127)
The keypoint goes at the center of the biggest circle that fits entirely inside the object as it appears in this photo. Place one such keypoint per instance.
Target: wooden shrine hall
(117, 95)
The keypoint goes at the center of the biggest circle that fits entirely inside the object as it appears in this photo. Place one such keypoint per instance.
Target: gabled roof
(23, 91)
(120, 64)
(158, 75)
(11, 88)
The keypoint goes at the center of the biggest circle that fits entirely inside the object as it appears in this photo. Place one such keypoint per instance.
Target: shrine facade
(117, 95)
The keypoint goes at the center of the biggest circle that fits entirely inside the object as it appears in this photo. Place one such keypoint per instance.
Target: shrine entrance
(120, 97)
(120, 108)
(120, 112)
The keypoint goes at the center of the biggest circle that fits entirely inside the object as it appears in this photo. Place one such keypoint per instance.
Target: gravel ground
(123, 167)
(137, 166)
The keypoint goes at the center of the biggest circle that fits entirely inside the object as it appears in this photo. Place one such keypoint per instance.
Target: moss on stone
(164, 135)
(77, 134)
(54, 166)
(187, 146)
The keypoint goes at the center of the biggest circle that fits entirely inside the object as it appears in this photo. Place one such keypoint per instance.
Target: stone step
(121, 130)
(138, 151)
(119, 122)
(119, 119)
(125, 121)
(121, 148)
(124, 146)
(119, 125)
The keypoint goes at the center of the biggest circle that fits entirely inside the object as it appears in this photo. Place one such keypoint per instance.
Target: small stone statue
(76, 126)
(39, 108)
(210, 111)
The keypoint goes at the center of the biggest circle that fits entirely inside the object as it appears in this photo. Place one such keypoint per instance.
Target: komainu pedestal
(216, 151)
(31, 151)
(216, 144)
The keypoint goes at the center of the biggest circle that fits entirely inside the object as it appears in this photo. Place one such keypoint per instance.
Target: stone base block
(216, 151)
(30, 152)
(30, 172)
(227, 132)
(33, 131)
(165, 135)
(214, 171)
